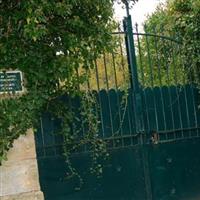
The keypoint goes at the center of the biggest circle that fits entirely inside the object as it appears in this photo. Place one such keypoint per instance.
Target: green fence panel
(176, 107)
(106, 113)
(175, 170)
(132, 114)
(191, 106)
(160, 108)
(167, 108)
(115, 111)
(122, 179)
(168, 170)
(184, 110)
(125, 113)
(150, 109)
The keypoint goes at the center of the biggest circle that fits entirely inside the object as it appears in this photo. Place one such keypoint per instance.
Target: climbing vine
(48, 41)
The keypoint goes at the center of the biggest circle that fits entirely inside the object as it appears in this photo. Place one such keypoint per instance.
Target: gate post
(132, 63)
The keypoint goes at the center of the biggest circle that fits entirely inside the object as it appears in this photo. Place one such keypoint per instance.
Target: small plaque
(11, 82)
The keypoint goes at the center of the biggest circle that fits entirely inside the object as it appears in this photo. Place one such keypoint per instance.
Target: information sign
(11, 82)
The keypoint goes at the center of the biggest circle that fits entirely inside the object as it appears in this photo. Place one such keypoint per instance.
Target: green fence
(147, 105)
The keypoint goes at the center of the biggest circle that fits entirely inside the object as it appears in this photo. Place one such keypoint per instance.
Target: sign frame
(18, 92)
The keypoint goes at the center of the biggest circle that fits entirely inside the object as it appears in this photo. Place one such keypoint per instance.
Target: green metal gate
(148, 109)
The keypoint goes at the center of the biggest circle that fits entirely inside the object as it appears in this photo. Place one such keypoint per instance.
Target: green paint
(158, 102)
(137, 169)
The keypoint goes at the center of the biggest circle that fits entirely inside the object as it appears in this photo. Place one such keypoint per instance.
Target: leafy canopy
(47, 40)
(180, 20)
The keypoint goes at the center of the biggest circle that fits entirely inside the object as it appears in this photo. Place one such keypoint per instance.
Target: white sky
(139, 11)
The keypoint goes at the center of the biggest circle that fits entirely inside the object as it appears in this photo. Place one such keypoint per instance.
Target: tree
(178, 20)
(48, 40)
(186, 18)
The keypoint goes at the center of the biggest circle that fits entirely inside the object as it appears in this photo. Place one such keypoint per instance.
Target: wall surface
(19, 174)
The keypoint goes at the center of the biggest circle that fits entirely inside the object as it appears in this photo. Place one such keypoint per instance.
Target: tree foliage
(186, 17)
(48, 40)
(180, 21)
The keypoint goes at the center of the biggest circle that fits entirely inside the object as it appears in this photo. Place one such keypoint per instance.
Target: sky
(139, 11)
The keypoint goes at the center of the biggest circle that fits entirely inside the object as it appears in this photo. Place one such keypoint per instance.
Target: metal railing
(141, 88)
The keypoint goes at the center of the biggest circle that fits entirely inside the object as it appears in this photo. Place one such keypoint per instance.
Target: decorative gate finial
(128, 5)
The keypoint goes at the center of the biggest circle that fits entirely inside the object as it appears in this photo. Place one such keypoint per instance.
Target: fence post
(130, 48)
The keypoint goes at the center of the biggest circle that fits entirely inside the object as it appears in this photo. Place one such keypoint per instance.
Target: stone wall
(19, 174)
